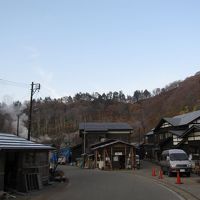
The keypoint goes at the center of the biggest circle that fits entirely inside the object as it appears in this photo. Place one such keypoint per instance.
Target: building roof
(184, 119)
(177, 133)
(11, 141)
(149, 133)
(108, 143)
(188, 131)
(180, 120)
(91, 126)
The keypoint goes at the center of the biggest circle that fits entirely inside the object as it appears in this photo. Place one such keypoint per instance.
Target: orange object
(178, 178)
(153, 172)
(160, 174)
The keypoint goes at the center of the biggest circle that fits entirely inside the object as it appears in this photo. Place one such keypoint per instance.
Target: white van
(174, 160)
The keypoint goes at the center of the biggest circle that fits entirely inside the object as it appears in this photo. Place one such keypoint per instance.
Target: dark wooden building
(182, 131)
(92, 133)
(24, 165)
(76, 152)
(148, 145)
(114, 154)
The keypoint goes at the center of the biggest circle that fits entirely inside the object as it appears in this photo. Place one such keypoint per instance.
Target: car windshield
(178, 156)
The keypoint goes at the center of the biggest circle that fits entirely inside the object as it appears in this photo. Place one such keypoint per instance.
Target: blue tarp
(66, 152)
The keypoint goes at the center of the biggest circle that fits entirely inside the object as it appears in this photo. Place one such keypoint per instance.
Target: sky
(96, 45)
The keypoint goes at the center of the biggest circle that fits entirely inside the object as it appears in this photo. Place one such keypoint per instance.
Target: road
(103, 185)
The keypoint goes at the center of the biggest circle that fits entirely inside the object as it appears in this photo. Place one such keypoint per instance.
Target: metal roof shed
(114, 154)
(24, 165)
(10, 141)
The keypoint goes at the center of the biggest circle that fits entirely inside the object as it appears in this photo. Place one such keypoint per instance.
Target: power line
(13, 83)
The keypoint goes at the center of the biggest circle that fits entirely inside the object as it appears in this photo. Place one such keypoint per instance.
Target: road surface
(87, 184)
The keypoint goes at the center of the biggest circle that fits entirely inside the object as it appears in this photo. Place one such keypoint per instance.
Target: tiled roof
(177, 133)
(194, 127)
(10, 141)
(149, 133)
(184, 119)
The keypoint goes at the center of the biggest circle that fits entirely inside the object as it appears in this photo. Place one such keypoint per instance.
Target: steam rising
(14, 110)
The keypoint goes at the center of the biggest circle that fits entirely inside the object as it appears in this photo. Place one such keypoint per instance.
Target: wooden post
(125, 157)
(104, 158)
(95, 158)
(132, 159)
(111, 156)
(134, 156)
(109, 159)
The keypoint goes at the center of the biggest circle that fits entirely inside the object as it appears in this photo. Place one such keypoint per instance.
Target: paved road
(103, 185)
(189, 189)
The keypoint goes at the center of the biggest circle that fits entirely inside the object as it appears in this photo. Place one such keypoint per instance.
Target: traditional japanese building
(148, 145)
(182, 131)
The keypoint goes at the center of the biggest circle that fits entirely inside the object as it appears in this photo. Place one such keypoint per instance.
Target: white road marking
(175, 193)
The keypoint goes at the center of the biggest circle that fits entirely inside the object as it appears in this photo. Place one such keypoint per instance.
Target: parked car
(174, 160)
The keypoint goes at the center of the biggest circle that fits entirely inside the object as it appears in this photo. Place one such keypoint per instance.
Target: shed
(93, 132)
(114, 154)
(24, 165)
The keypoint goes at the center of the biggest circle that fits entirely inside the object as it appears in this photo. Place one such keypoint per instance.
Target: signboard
(115, 158)
(118, 154)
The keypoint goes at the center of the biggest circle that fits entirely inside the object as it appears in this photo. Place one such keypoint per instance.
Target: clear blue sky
(97, 45)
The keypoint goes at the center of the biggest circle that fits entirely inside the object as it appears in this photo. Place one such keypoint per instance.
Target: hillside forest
(53, 118)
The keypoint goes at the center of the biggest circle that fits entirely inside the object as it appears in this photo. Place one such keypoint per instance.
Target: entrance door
(1, 171)
(118, 162)
(11, 170)
(122, 161)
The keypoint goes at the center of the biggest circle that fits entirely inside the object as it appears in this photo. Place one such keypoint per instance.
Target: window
(161, 136)
(168, 135)
(178, 156)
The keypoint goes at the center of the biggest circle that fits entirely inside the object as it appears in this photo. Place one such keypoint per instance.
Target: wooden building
(76, 152)
(182, 131)
(24, 165)
(148, 145)
(114, 154)
(92, 133)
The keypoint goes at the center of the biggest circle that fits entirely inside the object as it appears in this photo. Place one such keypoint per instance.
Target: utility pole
(18, 116)
(84, 142)
(18, 125)
(139, 136)
(34, 87)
